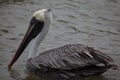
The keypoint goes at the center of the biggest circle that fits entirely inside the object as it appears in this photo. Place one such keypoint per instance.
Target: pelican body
(68, 60)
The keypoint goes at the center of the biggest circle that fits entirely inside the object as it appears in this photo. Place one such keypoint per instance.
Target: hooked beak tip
(9, 67)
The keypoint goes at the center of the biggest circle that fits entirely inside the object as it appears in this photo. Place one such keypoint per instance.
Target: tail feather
(100, 56)
(113, 66)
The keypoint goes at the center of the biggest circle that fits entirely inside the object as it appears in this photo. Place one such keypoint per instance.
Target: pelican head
(40, 14)
(37, 29)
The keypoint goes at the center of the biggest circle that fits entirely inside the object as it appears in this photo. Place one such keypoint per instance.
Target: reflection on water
(16, 75)
(94, 23)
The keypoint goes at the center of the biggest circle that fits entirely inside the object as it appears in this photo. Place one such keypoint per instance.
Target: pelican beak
(33, 30)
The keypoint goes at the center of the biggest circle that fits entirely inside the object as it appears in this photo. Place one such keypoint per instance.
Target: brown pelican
(68, 60)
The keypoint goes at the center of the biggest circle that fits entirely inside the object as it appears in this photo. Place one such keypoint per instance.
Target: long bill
(23, 45)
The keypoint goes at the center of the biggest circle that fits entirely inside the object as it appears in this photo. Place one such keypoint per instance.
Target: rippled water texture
(94, 23)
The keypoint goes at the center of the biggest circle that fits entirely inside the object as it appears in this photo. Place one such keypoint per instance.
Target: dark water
(94, 23)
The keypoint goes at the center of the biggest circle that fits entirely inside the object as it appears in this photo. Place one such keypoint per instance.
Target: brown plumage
(68, 58)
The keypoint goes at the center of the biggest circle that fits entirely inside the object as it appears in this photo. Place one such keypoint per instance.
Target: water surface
(95, 23)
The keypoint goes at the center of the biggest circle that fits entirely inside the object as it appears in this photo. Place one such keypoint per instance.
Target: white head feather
(40, 14)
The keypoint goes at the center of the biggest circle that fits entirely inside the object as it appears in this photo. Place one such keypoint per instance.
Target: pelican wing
(71, 56)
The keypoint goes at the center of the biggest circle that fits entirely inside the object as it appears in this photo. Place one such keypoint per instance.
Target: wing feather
(99, 55)
(71, 57)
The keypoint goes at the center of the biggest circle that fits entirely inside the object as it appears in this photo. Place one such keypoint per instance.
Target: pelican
(68, 60)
